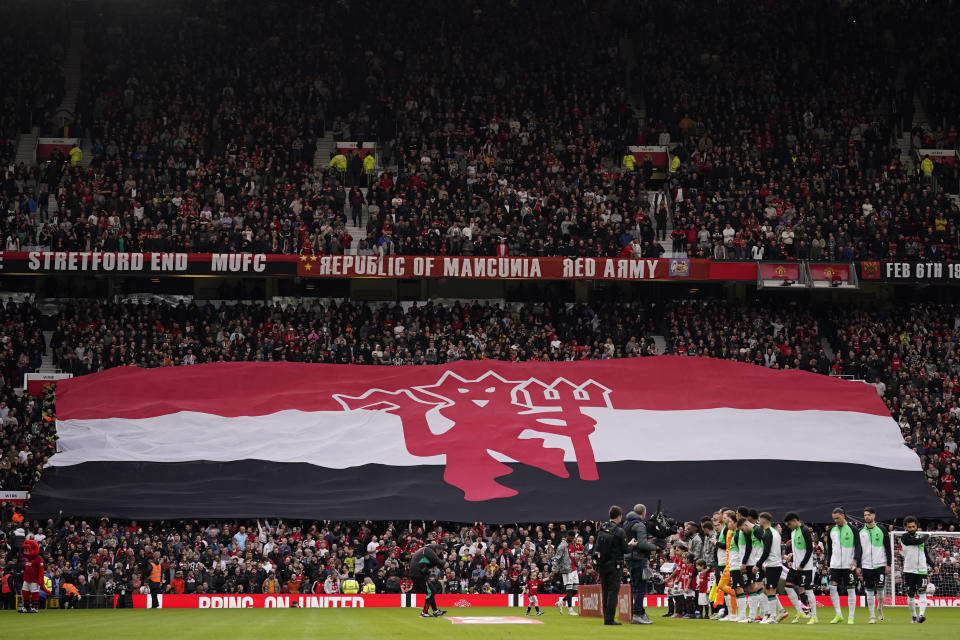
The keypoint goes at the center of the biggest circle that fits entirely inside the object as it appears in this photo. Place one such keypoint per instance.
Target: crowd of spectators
(789, 145)
(786, 152)
(940, 98)
(90, 336)
(108, 560)
(911, 354)
(24, 434)
(31, 89)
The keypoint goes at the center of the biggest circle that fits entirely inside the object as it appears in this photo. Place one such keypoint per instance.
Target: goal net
(943, 577)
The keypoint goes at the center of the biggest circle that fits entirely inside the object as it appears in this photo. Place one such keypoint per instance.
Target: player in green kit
(875, 560)
(916, 567)
(843, 550)
(800, 576)
(721, 565)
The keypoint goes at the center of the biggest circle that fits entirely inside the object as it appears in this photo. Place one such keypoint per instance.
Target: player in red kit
(532, 588)
(32, 577)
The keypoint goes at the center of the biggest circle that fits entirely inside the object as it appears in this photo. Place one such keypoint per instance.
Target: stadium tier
(352, 304)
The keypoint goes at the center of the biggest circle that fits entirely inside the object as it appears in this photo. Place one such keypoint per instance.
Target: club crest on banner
(480, 424)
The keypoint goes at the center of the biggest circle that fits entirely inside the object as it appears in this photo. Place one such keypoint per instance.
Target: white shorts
(571, 579)
(534, 602)
(703, 599)
(32, 587)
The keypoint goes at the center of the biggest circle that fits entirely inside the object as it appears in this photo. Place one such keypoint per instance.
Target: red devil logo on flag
(470, 421)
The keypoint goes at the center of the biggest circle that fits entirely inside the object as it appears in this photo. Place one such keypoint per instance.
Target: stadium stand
(803, 174)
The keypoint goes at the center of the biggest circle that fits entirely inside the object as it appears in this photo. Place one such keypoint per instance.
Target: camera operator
(609, 551)
(638, 559)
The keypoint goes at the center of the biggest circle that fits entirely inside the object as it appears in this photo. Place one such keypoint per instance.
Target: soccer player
(739, 569)
(800, 575)
(735, 566)
(531, 589)
(726, 543)
(721, 569)
(565, 563)
(772, 567)
(875, 559)
(843, 549)
(916, 562)
(753, 548)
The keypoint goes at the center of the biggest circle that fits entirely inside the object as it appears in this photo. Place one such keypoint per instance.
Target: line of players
(750, 565)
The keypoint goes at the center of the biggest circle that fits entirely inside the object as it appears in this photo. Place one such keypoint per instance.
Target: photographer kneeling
(638, 560)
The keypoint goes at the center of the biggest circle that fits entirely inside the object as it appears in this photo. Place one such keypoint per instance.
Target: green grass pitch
(404, 623)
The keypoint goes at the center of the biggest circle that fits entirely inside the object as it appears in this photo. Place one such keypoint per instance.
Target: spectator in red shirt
(178, 585)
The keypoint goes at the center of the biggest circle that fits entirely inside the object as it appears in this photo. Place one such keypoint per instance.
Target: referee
(421, 564)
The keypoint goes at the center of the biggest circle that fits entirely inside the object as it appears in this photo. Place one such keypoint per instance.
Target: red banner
(588, 600)
(466, 600)
(625, 604)
(830, 272)
(46, 146)
(14, 497)
(493, 268)
(948, 156)
(780, 270)
(870, 270)
(731, 270)
(346, 266)
(158, 264)
(266, 601)
(362, 149)
(658, 155)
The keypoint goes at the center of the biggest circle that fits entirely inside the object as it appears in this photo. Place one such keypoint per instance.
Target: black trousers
(154, 592)
(639, 590)
(610, 587)
(422, 585)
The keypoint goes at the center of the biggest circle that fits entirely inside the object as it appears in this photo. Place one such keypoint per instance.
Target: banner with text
(46, 146)
(455, 267)
(359, 601)
(346, 266)
(659, 156)
(912, 271)
(948, 156)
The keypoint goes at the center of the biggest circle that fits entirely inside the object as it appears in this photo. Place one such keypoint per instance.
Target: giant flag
(483, 440)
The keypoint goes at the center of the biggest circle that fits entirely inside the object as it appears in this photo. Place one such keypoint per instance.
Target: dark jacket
(635, 527)
(618, 547)
(422, 561)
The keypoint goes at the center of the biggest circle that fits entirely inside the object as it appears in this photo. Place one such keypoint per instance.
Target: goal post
(943, 577)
